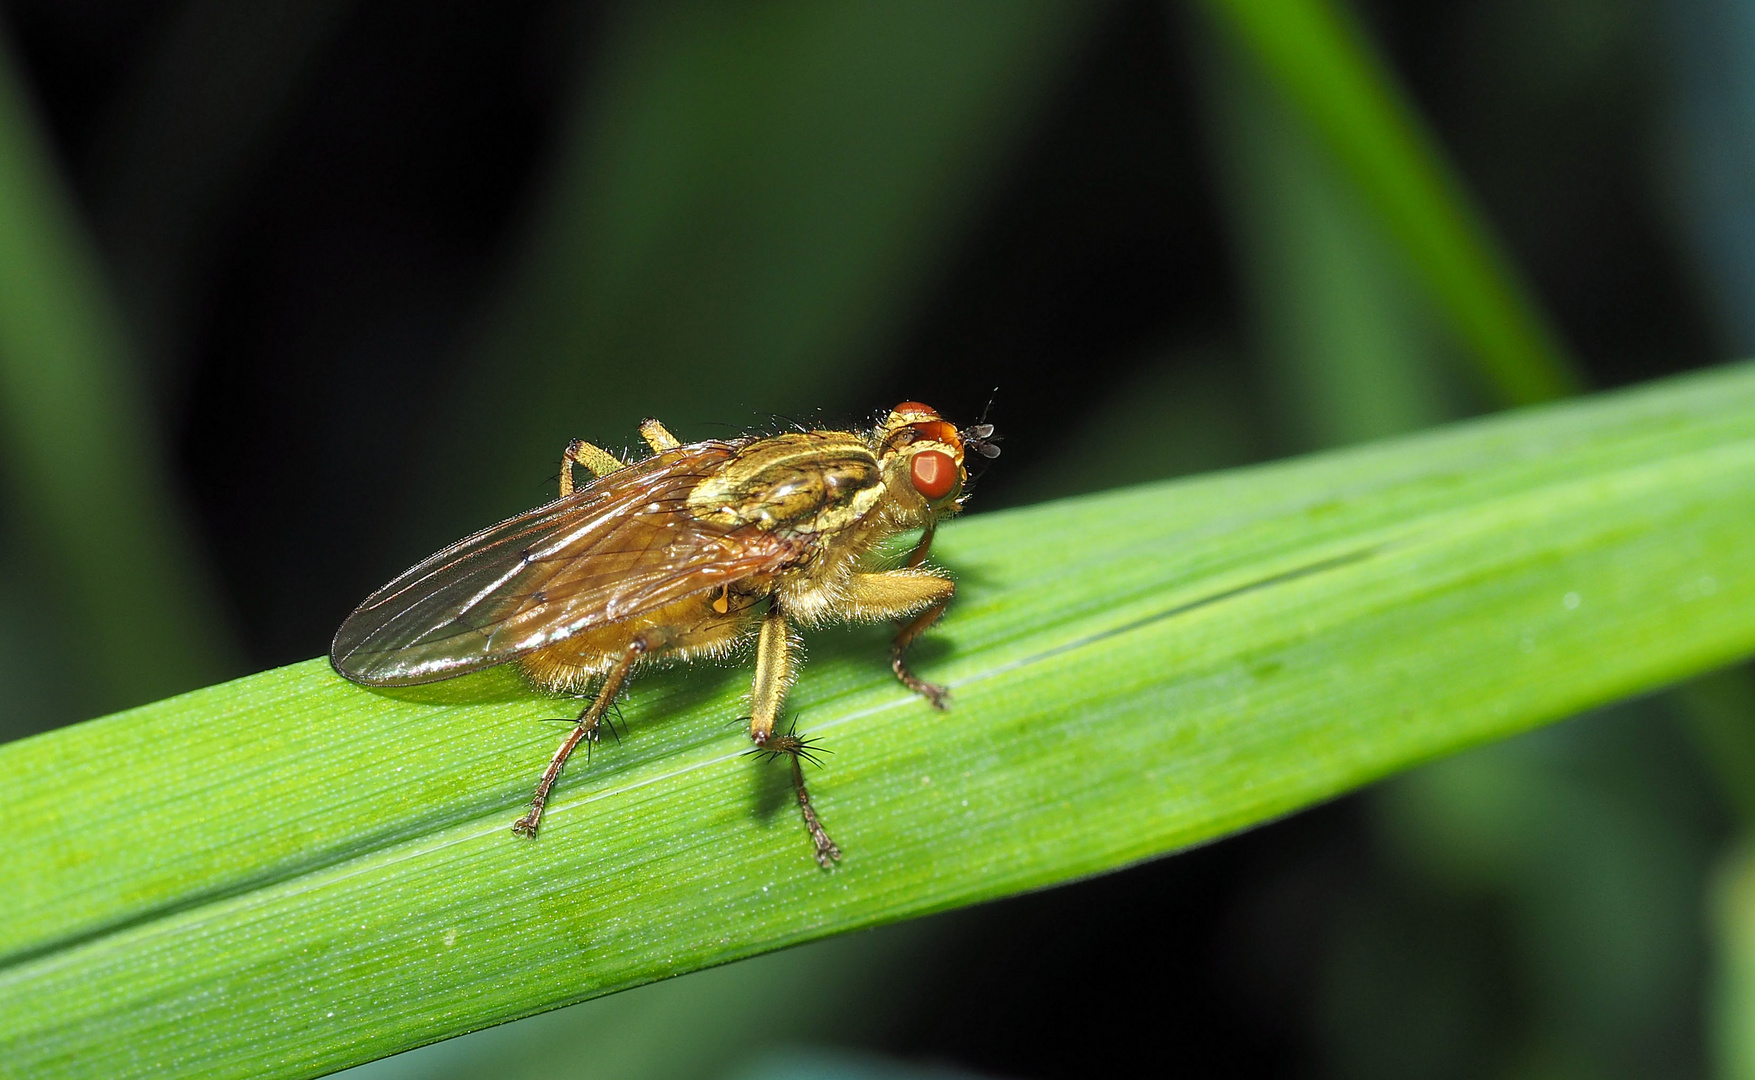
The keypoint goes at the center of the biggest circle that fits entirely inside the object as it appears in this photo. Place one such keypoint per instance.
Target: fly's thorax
(801, 482)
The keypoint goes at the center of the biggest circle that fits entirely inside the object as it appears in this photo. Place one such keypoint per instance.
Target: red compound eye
(934, 473)
(937, 431)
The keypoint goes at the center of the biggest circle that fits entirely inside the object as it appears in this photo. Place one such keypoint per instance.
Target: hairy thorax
(802, 484)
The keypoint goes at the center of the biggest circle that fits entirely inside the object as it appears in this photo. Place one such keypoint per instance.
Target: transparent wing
(620, 547)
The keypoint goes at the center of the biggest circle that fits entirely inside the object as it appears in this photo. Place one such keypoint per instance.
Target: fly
(692, 553)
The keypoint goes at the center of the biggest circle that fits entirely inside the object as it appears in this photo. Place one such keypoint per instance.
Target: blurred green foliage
(756, 195)
(95, 516)
(1324, 70)
(1374, 288)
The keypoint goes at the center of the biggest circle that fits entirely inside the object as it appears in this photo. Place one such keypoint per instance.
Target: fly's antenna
(980, 437)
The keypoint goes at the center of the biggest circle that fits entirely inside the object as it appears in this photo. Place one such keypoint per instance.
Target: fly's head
(922, 458)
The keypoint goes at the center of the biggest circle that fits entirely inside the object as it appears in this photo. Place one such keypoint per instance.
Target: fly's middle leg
(585, 729)
(773, 674)
(767, 698)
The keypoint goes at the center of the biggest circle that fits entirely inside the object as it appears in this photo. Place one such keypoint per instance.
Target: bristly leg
(795, 747)
(767, 696)
(585, 730)
(611, 721)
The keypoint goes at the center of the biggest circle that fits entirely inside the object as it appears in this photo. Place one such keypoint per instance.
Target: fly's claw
(827, 853)
(939, 697)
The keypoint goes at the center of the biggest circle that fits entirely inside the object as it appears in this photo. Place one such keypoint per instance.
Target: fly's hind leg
(601, 462)
(598, 461)
(584, 730)
(657, 436)
(767, 697)
(899, 594)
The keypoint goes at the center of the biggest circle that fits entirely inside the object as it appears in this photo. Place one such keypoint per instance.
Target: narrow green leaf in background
(286, 874)
(1327, 69)
(1346, 329)
(1588, 845)
(1733, 1000)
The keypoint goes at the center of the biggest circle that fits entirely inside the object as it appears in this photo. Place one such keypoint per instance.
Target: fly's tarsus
(796, 747)
(938, 696)
(827, 853)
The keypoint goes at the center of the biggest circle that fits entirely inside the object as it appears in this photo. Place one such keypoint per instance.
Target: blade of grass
(816, 994)
(80, 460)
(1732, 1008)
(1328, 70)
(1340, 322)
(286, 874)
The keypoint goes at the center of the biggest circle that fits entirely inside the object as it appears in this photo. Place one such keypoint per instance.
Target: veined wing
(620, 547)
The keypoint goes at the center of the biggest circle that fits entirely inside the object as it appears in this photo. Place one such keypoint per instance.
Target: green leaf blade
(287, 874)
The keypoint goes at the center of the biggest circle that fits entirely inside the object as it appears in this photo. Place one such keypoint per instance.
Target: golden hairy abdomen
(689, 628)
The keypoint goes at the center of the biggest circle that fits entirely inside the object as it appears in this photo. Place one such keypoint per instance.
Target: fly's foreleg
(767, 698)
(598, 461)
(914, 595)
(584, 730)
(923, 548)
(932, 692)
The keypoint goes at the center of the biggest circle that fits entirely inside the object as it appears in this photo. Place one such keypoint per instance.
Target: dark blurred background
(300, 291)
